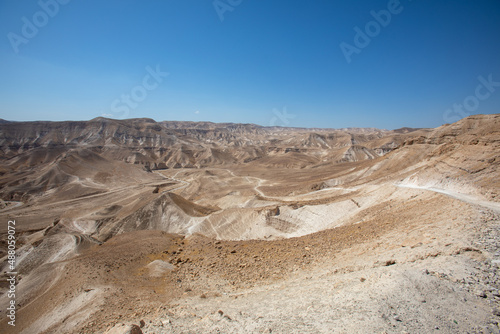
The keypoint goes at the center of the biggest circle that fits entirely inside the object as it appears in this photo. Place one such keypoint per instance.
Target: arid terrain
(178, 227)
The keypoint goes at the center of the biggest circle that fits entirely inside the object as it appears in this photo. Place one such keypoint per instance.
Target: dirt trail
(294, 197)
(184, 183)
(462, 197)
(15, 204)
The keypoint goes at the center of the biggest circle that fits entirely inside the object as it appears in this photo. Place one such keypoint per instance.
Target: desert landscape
(138, 226)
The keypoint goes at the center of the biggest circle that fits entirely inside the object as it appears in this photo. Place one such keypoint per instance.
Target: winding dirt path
(462, 197)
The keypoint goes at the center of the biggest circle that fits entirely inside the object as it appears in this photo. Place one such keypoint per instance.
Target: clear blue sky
(265, 60)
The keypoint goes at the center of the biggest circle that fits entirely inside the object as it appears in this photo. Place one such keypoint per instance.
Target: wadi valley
(138, 226)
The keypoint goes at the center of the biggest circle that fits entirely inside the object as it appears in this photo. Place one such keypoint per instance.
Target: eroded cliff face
(185, 144)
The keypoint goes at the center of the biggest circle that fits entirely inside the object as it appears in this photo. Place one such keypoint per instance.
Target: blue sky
(276, 62)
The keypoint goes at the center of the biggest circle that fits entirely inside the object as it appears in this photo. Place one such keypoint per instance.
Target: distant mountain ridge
(171, 144)
(177, 144)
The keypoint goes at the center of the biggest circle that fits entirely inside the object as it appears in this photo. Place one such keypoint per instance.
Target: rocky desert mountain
(138, 226)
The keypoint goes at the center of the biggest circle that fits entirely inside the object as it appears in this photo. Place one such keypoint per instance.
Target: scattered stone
(496, 312)
(142, 323)
(274, 212)
(481, 293)
(158, 268)
(362, 279)
(389, 263)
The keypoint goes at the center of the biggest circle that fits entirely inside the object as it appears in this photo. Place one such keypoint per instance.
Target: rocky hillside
(277, 230)
(163, 145)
